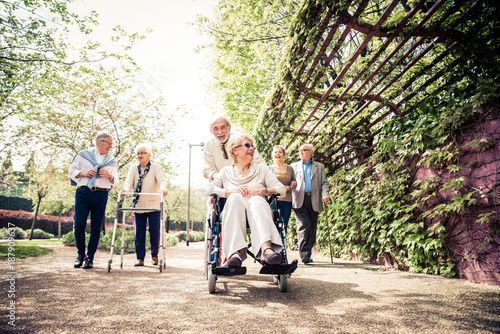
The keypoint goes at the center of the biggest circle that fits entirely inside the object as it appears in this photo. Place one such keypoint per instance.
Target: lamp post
(188, 221)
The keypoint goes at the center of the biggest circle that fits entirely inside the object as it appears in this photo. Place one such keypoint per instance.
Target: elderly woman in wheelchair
(245, 186)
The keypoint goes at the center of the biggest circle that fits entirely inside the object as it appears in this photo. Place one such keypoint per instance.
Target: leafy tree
(176, 205)
(59, 100)
(60, 199)
(39, 190)
(248, 37)
(30, 52)
(34, 54)
(7, 176)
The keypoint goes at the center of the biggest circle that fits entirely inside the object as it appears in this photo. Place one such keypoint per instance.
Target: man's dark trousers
(93, 202)
(307, 224)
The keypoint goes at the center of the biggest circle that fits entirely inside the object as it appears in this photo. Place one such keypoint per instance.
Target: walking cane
(328, 227)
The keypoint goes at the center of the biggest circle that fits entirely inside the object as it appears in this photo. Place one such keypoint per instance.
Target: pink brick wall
(475, 246)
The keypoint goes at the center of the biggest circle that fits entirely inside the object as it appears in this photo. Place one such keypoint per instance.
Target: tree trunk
(34, 217)
(59, 226)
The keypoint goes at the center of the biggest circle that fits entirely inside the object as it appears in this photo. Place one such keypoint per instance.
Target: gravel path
(344, 297)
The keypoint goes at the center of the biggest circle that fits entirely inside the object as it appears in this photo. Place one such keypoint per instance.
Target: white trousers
(260, 220)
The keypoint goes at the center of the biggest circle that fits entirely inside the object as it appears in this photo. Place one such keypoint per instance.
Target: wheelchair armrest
(215, 205)
(272, 198)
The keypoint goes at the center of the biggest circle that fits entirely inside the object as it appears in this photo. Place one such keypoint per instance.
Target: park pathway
(340, 297)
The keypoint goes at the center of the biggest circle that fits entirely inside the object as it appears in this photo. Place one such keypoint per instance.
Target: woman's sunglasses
(247, 145)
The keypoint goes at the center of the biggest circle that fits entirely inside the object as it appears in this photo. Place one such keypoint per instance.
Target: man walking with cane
(307, 198)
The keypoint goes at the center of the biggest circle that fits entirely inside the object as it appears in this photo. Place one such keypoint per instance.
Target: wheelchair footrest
(279, 269)
(230, 271)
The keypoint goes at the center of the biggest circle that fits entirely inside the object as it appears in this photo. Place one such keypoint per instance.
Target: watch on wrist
(265, 191)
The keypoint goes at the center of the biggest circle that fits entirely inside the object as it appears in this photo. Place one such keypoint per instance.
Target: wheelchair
(215, 259)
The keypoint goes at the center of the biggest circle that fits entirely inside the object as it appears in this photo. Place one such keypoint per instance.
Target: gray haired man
(308, 198)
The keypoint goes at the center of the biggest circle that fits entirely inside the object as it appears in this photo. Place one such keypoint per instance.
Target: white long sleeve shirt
(80, 164)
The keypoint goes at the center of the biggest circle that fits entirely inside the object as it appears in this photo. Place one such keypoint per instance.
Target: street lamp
(189, 191)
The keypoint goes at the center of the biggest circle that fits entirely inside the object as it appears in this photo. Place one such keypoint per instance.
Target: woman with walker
(146, 177)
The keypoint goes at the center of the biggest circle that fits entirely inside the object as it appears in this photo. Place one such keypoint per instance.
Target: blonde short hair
(280, 147)
(235, 141)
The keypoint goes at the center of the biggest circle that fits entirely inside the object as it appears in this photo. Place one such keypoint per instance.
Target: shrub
(4, 233)
(68, 239)
(193, 236)
(19, 233)
(196, 236)
(181, 235)
(129, 245)
(39, 234)
(171, 240)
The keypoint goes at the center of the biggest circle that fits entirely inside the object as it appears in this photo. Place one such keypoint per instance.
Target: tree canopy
(55, 96)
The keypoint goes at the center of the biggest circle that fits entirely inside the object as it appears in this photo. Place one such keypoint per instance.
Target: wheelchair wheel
(208, 248)
(283, 282)
(211, 280)
(276, 279)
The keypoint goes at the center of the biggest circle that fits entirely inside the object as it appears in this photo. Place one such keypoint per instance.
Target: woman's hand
(246, 191)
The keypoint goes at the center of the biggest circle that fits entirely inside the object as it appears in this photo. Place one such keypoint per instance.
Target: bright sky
(168, 59)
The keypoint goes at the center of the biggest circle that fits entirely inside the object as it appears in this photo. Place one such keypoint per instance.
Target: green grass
(21, 252)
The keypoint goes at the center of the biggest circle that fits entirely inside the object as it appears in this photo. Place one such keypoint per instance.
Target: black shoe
(306, 259)
(79, 261)
(89, 264)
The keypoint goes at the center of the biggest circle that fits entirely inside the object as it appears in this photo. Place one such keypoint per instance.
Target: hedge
(15, 203)
(24, 220)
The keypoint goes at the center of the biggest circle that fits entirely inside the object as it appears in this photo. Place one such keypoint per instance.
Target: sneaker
(89, 264)
(79, 261)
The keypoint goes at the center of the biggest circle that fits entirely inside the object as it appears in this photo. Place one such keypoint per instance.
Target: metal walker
(120, 220)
